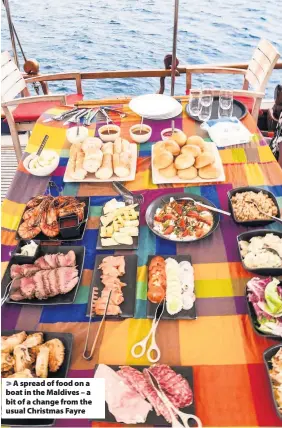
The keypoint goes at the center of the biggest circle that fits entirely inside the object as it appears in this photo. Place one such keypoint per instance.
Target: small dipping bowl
(166, 133)
(142, 137)
(72, 136)
(109, 133)
(69, 226)
(44, 170)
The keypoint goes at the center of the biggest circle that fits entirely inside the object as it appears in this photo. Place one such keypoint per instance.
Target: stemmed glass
(195, 102)
(225, 106)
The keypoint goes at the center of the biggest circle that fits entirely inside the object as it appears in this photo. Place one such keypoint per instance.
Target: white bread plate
(42, 171)
(157, 178)
(91, 178)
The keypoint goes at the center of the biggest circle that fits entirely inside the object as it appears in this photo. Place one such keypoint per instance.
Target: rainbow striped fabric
(231, 387)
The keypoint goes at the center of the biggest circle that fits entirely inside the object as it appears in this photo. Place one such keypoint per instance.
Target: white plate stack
(155, 106)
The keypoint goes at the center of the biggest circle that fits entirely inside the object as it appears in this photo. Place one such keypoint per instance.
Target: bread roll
(118, 145)
(78, 172)
(207, 147)
(209, 171)
(91, 142)
(168, 172)
(172, 147)
(179, 137)
(125, 146)
(195, 140)
(160, 145)
(162, 159)
(74, 149)
(204, 159)
(194, 150)
(108, 148)
(184, 161)
(92, 160)
(106, 169)
(121, 164)
(187, 173)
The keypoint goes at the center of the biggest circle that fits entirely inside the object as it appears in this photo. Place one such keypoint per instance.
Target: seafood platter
(130, 388)
(51, 278)
(171, 278)
(54, 218)
(176, 217)
(118, 275)
(273, 364)
(191, 160)
(34, 354)
(93, 161)
(119, 226)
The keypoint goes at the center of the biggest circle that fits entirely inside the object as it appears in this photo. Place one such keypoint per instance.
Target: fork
(128, 197)
(6, 293)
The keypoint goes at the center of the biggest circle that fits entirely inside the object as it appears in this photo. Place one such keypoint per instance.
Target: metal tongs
(88, 355)
(173, 411)
(62, 116)
(128, 197)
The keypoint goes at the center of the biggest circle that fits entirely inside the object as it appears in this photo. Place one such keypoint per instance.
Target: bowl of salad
(176, 217)
(42, 165)
(264, 299)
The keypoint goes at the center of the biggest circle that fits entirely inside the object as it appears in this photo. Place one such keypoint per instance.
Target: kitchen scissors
(153, 348)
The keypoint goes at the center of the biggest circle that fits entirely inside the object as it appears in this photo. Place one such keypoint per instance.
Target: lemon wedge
(173, 305)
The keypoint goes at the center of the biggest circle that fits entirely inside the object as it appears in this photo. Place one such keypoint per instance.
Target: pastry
(195, 140)
(187, 173)
(172, 147)
(121, 164)
(184, 161)
(168, 172)
(209, 171)
(163, 159)
(194, 150)
(204, 159)
(106, 169)
(108, 148)
(91, 142)
(179, 137)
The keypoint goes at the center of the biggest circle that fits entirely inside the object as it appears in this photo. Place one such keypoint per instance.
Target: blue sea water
(70, 35)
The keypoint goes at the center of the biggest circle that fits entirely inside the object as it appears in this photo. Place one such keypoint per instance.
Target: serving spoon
(264, 213)
(205, 206)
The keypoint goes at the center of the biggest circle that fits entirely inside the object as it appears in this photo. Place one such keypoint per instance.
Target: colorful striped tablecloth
(231, 386)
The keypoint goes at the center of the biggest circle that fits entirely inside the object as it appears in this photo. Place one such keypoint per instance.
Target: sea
(80, 35)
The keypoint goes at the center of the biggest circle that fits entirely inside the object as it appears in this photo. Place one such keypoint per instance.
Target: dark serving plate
(255, 322)
(129, 291)
(246, 236)
(67, 339)
(152, 418)
(233, 192)
(239, 110)
(26, 259)
(267, 355)
(60, 237)
(162, 200)
(61, 299)
(134, 245)
(183, 314)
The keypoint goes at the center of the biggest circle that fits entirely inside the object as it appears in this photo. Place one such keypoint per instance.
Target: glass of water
(225, 106)
(207, 95)
(205, 112)
(194, 102)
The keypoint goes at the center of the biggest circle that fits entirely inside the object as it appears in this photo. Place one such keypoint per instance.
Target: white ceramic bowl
(109, 137)
(140, 138)
(164, 137)
(45, 170)
(72, 136)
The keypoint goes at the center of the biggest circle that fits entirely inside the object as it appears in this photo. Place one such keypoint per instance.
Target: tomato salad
(183, 220)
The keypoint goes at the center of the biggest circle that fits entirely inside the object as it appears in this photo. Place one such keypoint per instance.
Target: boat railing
(78, 77)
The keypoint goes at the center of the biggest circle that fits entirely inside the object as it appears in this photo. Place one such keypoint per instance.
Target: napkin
(227, 132)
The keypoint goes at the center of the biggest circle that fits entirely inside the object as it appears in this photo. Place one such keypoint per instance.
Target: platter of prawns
(42, 217)
(180, 217)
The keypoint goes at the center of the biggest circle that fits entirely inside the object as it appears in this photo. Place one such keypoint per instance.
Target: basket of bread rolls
(182, 160)
(95, 161)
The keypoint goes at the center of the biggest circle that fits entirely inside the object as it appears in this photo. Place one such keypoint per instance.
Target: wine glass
(225, 106)
(194, 102)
